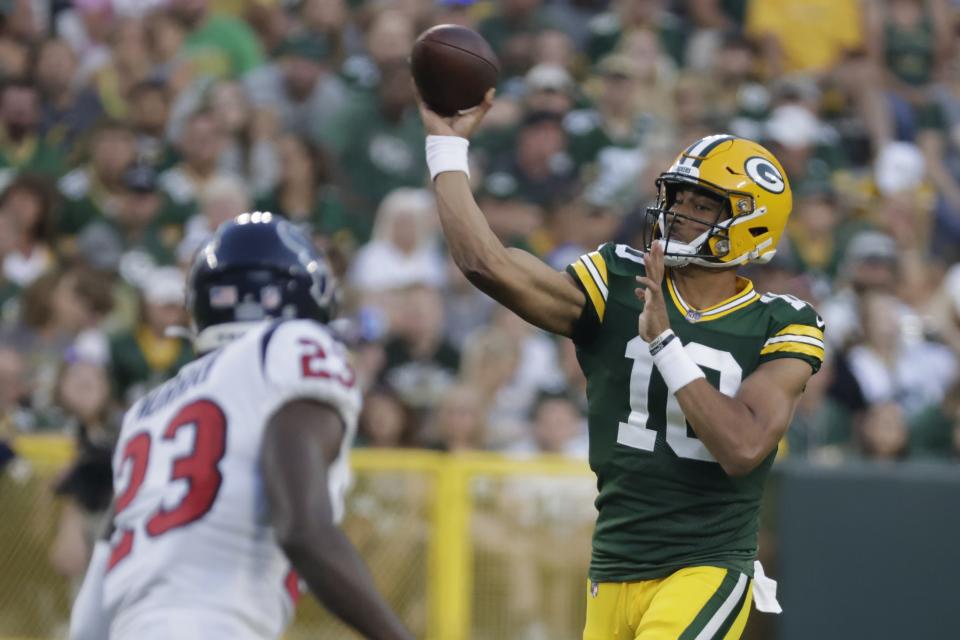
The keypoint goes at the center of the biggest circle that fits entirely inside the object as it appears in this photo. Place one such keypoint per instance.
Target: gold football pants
(694, 603)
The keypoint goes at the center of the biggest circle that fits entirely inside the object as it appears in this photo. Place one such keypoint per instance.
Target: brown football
(453, 68)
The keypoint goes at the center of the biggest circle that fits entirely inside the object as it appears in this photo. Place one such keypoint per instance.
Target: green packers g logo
(764, 174)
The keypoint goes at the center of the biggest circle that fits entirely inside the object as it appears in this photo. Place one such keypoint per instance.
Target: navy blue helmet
(256, 267)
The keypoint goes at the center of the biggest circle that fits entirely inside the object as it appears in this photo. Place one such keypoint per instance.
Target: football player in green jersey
(692, 377)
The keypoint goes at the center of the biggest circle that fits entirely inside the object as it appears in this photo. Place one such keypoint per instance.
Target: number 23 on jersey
(199, 469)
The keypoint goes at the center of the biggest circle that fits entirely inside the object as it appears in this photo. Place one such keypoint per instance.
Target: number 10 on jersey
(637, 433)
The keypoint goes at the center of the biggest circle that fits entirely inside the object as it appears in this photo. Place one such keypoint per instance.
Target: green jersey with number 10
(664, 501)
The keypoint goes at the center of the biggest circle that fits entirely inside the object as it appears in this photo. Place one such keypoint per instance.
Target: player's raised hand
(653, 319)
(463, 124)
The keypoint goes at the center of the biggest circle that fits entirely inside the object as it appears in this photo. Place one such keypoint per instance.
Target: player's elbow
(288, 538)
(301, 541)
(743, 459)
(483, 270)
(737, 468)
(476, 271)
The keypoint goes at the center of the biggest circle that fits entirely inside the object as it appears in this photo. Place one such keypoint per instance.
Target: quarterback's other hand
(653, 319)
(463, 124)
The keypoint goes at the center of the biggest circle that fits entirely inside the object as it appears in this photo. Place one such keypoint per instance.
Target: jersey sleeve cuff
(590, 271)
(815, 362)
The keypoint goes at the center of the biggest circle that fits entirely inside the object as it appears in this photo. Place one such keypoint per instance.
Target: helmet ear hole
(758, 231)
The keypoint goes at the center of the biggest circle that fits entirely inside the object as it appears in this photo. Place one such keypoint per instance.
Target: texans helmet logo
(764, 174)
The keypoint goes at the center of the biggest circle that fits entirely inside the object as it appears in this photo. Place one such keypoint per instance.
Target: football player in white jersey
(229, 478)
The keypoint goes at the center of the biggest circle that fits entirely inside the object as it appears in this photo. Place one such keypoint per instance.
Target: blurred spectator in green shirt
(618, 118)
(92, 191)
(332, 20)
(22, 147)
(149, 110)
(219, 46)
(909, 41)
(512, 216)
(145, 356)
(709, 20)
(625, 16)
(539, 164)
(815, 237)
(547, 87)
(380, 143)
(735, 85)
(511, 32)
(142, 234)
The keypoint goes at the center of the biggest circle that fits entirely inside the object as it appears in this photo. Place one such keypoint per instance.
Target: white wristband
(676, 366)
(447, 153)
(661, 341)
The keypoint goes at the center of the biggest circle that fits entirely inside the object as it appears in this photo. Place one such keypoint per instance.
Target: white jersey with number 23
(193, 555)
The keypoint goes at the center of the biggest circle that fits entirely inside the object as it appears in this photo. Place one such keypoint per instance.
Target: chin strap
(176, 331)
(682, 254)
(212, 338)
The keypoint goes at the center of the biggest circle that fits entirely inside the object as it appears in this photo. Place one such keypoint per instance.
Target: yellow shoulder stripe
(801, 330)
(593, 292)
(597, 260)
(794, 347)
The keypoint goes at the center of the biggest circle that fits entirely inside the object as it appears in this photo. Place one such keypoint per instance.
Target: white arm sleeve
(88, 618)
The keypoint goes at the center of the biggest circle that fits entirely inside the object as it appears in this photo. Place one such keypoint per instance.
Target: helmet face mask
(256, 267)
(660, 219)
(756, 198)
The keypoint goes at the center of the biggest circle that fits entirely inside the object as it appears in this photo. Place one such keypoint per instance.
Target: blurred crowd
(129, 129)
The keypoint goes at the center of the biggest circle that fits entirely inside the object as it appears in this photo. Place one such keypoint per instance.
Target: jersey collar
(745, 296)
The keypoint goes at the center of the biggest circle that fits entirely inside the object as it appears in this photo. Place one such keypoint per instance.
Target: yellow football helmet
(757, 197)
